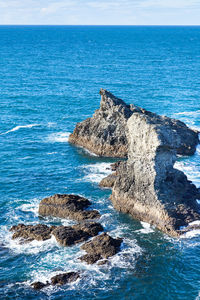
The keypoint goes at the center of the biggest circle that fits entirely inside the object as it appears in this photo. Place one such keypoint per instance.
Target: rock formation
(65, 235)
(105, 133)
(59, 279)
(67, 206)
(71, 235)
(102, 246)
(28, 233)
(147, 186)
(65, 278)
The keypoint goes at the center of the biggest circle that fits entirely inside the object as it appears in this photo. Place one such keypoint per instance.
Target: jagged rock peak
(106, 132)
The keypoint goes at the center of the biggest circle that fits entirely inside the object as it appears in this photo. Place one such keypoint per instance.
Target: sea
(50, 77)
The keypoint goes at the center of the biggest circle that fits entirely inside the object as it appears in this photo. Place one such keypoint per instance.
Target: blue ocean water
(50, 79)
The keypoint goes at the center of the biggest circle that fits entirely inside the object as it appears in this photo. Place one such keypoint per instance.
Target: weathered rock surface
(67, 206)
(147, 185)
(70, 235)
(102, 246)
(65, 278)
(28, 233)
(108, 181)
(105, 133)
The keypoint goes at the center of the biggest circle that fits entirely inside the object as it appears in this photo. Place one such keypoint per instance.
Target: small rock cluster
(72, 206)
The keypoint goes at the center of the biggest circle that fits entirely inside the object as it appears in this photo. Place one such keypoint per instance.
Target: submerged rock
(39, 285)
(28, 233)
(65, 278)
(59, 279)
(67, 206)
(70, 235)
(105, 133)
(102, 246)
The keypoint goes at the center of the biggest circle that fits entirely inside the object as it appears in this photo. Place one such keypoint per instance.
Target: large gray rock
(147, 186)
(105, 133)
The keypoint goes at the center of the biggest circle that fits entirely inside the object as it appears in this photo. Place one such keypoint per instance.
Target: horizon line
(134, 25)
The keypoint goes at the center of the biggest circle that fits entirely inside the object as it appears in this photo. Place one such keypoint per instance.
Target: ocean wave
(190, 169)
(96, 172)
(188, 113)
(19, 127)
(146, 228)
(33, 247)
(58, 137)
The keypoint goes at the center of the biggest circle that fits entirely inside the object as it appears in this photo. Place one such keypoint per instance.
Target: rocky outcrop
(65, 278)
(71, 235)
(65, 235)
(105, 133)
(102, 246)
(67, 206)
(28, 233)
(147, 186)
(60, 279)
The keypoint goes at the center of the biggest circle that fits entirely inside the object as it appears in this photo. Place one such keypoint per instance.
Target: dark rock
(39, 285)
(90, 258)
(65, 278)
(67, 206)
(28, 233)
(102, 245)
(105, 133)
(114, 166)
(70, 235)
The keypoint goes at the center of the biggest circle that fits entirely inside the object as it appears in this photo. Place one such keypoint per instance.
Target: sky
(100, 12)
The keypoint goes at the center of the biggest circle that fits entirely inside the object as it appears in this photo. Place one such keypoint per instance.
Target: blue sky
(100, 12)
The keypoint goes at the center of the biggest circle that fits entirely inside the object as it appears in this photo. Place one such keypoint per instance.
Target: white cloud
(87, 12)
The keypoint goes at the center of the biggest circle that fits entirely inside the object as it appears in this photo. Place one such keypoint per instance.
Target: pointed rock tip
(106, 95)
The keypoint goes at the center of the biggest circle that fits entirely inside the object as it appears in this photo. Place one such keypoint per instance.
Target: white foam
(51, 153)
(146, 228)
(33, 247)
(19, 127)
(96, 172)
(31, 207)
(197, 222)
(89, 152)
(191, 234)
(58, 137)
(189, 113)
(190, 169)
